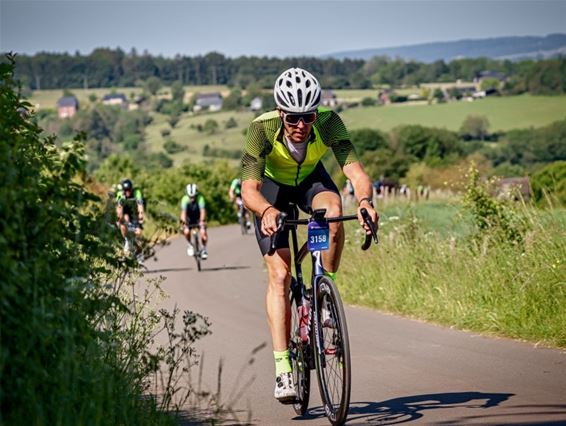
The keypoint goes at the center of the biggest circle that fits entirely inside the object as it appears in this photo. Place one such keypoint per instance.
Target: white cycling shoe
(127, 247)
(285, 391)
(190, 250)
(204, 254)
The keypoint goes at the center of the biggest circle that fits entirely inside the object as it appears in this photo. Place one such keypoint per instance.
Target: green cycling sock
(331, 275)
(282, 363)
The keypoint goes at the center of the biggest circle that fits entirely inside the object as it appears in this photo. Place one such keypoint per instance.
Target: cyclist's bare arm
(202, 218)
(254, 201)
(141, 212)
(119, 212)
(231, 194)
(362, 189)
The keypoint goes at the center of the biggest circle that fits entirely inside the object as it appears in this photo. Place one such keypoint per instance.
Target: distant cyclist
(129, 210)
(193, 213)
(235, 195)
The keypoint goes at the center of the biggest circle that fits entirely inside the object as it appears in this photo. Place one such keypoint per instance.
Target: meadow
(431, 265)
(504, 113)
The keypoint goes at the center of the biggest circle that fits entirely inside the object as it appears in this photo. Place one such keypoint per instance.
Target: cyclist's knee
(279, 274)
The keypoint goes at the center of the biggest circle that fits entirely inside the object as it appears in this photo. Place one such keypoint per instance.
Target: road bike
(195, 242)
(134, 245)
(243, 219)
(318, 333)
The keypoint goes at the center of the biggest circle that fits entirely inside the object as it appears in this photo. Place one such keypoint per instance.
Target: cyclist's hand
(269, 221)
(372, 214)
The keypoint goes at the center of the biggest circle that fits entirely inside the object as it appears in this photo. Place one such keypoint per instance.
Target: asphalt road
(404, 371)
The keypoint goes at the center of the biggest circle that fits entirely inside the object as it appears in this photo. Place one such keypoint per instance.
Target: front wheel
(332, 353)
(298, 355)
(197, 248)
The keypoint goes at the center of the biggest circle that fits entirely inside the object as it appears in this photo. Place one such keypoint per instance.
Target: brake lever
(373, 229)
(273, 238)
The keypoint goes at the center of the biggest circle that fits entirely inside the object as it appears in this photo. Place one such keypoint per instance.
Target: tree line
(105, 67)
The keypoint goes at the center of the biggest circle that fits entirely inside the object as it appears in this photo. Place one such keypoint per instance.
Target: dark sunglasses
(293, 119)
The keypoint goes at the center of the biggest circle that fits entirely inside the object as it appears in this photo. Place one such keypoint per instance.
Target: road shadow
(224, 268)
(411, 408)
(158, 271)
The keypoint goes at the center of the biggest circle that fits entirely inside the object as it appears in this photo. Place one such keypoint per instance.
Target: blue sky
(269, 27)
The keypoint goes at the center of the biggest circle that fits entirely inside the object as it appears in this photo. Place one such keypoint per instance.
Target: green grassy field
(193, 140)
(427, 266)
(504, 113)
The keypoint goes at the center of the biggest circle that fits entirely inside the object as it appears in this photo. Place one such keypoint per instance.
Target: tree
(368, 140)
(177, 92)
(475, 127)
(233, 101)
(231, 123)
(210, 126)
(152, 85)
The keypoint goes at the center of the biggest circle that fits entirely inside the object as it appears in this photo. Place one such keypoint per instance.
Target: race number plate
(318, 236)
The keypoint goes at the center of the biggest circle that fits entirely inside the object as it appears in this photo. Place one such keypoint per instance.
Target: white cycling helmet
(297, 91)
(192, 189)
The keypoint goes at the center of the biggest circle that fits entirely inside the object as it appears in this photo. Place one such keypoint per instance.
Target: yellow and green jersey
(265, 152)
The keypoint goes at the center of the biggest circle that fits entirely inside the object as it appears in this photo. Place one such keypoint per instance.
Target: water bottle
(304, 313)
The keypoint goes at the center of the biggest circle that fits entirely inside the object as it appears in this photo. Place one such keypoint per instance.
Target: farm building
(67, 106)
(256, 104)
(210, 101)
(117, 99)
(328, 99)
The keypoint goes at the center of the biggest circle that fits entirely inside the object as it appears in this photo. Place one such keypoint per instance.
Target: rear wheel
(298, 354)
(243, 222)
(333, 358)
(197, 248)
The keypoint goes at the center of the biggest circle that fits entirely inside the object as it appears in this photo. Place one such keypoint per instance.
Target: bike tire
(197, 249)
(299, 357)
(333, 364)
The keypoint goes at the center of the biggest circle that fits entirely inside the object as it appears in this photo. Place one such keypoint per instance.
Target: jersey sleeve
(138, 196)
(201, 203)
(253, 156)
(338, 138)
(184, 202)
(234, 184)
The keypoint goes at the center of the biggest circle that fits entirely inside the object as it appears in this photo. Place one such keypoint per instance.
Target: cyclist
(126, 197)
(235, 195)
(193, 211)
(281, 164)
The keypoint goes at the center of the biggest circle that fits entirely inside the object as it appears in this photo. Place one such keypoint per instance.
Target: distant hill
(495, 48)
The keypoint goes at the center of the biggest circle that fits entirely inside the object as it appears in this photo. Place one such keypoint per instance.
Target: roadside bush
(60, 362)
(549, 184)
(493, 218)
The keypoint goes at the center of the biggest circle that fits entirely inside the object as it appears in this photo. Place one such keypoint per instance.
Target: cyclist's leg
(277, 297)
(203, 235)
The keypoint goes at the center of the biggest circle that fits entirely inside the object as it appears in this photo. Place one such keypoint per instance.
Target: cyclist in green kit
(281, 164)
(235, 195)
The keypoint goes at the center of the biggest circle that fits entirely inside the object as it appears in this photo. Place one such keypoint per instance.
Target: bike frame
(317, 273)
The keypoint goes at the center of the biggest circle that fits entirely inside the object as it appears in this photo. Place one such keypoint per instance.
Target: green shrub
(492, 217)
(549, 184)
(172, 147)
